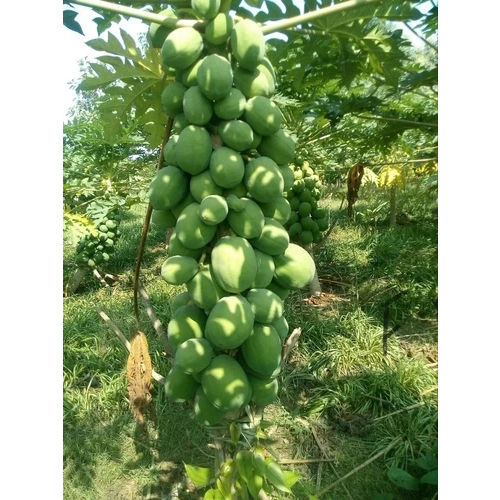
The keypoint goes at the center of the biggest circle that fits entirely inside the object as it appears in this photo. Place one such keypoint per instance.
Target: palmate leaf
(391, 10)
(130, 84)
(70, 22)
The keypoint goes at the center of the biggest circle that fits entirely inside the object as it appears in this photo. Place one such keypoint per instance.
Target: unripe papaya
(158, 32)
(265, 270)
(197, 108)
(263, 179)
(234, 264)
(266, 305)
(273, 239)
(171, 98)
(295, 268)
(163, 219)
(187, 322)
(253, 83)
(181, 48)
(236, 134)
(280, 147)
(219, 28)
(205, 9)
(213, 210)
(281, 326)
(262, 350)
(204, 290)
(248, 221)
(169, 151)
(188, 75)
(247, 44)
(193, 149)
(215, 77)
(180, 386)
(279, 209)
(191, 230)
(178, 269)
(168, 187)
(263, 115)
(206, 413)
(230, 322)
(202, 185)
(264, 391)
(226, 167)
(231, 106)
(225, 384)
(193, 355)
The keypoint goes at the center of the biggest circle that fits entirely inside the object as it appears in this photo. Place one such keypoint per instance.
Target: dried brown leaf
(139, 373)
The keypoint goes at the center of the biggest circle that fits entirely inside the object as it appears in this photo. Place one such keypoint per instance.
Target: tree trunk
(393, 207)
(75, 281)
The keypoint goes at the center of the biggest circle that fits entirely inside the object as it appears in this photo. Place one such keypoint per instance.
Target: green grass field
(338, 390)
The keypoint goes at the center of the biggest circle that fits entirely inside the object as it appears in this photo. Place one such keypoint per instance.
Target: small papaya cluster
(307, 220)
(221, 189)
(95, 249)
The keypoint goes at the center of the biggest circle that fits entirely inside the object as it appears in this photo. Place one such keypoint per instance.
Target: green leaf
(255, 484)
(383, 496)
(290, 477)
(428, 462)
(244, 464)
(403, 479)
(234, 431)
(224, 486)
(70, 22)
(259, 462)
(312, 497)
(430, 478)
(200, 476)
(213, 494)
(274, 475)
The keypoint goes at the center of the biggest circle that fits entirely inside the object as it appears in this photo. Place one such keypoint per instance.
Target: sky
(74, 46)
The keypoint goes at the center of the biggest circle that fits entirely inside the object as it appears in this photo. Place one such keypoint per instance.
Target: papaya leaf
(213, 494)
(383, 496)
(70, 22)
(259, 463)
(428, 462)
(430, 477)
(274, 475)
(255, 484)
(200, 476)
(224, 487)
(244, 464)
(403, 479)
(290, 477)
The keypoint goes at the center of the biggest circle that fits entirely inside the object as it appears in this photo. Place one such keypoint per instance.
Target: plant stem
(151, 17)
(311, 16)
(431, 45)
(398, 120)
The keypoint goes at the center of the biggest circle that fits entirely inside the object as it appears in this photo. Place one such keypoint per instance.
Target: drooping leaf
(200, 476)
(274, 475)
(290, 477)
(430, 477)
(403, 479)
(213, 494)
(428, 462)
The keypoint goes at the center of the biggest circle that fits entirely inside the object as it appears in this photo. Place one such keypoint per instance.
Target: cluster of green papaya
(222, 189)
(307, 220)
(95, 249)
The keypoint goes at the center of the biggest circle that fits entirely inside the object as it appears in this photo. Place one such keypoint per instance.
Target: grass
(337, 383)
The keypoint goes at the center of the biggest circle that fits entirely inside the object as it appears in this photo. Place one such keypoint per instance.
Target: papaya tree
(206, 98)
